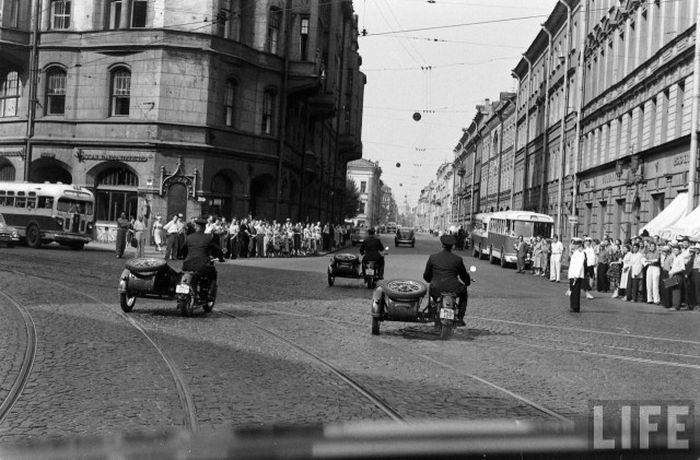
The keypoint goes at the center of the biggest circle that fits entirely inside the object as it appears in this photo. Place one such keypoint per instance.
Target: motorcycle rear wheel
(375, 326)
(185, 304)
(445, 332)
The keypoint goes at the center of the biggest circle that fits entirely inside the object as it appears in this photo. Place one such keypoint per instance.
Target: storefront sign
(680, 160)
(47, 155)
(82, 155)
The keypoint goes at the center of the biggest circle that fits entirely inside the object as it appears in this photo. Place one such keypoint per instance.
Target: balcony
(323, 106)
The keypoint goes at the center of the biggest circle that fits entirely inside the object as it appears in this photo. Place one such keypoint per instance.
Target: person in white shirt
(637, 266)
(555, 260)
(577, 272)
(591, 263)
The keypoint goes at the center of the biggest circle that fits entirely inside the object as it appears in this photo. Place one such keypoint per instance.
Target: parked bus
(480, 233)
(43, 213)
(504, 227)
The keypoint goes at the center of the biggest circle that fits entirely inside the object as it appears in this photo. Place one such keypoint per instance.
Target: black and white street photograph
(349, 229)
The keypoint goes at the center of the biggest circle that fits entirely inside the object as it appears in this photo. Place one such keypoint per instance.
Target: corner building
(228, 107)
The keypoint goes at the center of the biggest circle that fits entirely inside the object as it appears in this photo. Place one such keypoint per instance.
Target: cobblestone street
(281, 346)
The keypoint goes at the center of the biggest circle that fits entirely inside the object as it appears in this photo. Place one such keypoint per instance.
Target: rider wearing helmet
(371, 250)
(446, 273)
(200, 247)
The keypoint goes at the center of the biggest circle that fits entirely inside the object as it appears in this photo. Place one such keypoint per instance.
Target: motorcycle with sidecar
(347, 265)
(402, 300)
(153, 278)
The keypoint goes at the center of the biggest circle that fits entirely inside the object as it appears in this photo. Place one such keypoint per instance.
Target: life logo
(642, 426)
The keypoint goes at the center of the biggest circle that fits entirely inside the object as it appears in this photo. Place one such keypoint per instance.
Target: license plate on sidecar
(182, 289)
(446, 313)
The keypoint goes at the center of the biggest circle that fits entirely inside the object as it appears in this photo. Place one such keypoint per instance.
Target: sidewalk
(151, 250)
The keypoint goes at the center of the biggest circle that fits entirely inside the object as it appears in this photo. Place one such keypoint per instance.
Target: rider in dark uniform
(201, 247)
(371, 249)
(446, 273)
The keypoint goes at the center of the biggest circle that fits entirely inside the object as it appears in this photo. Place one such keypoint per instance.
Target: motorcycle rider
(201, 247)
(371, 249)
(446, 273)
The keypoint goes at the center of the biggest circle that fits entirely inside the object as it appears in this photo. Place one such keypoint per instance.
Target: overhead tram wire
(410, 54)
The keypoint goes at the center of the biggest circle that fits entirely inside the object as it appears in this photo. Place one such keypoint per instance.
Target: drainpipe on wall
(562, 134)
(545, 143)
(33, 82)
(693, 157)
(527, 125)
(286, 20)
(515, 139)
(579, 107)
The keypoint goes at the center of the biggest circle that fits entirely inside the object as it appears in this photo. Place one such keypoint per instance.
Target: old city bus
(43, 213)
(480, 233)
(504, 227)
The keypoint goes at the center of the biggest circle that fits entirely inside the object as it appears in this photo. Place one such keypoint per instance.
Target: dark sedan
(8, 234)
(405, 235)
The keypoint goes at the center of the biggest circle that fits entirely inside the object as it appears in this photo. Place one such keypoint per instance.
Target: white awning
(687, 226)
(669, 216)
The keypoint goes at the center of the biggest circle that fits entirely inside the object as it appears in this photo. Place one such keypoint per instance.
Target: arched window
(117, 192)
(120, 92)
(268, 110)
(230, 102)
(9, 95)
(55, 91)
(7, 173)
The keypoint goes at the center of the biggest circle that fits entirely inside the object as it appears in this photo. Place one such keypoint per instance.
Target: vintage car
(405, 235)
(8, 234)
(358, 236)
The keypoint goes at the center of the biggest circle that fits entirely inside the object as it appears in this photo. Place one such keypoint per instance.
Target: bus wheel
(77, 246)
(33, 237)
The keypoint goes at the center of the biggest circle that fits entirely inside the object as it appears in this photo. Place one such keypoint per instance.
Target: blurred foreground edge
(492, 439)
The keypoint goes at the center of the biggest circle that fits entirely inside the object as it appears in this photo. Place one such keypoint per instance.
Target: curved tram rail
(346, 325)
(25, 370)
(185, 396)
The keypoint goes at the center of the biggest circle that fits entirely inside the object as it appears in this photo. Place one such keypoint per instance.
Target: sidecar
(344, 265)
(146, 277)
(401, 300)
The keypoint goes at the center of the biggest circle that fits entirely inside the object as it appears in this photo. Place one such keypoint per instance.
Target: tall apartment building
(366, 174)
(603, 112)
(230, 107)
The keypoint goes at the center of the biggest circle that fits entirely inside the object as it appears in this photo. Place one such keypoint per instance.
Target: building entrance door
(177, 200)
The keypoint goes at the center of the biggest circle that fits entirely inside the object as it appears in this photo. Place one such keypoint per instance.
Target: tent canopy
(669, 216)
(686, 226)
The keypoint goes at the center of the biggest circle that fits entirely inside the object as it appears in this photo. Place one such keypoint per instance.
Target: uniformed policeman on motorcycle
(200, 247)
(446, 272)
(372, 250)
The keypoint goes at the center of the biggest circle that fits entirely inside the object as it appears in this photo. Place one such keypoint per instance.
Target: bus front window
(522, 228)
(74, 206)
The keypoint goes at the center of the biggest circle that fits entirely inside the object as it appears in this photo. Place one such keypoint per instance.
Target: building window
(363, 187)
(9, 95)
(303, 38)
(273, 30)
(7, 173)
(14, 14)
(116, 193)
(121, 92)
(55, 92)
(114, 14)
(362, 208)
(60, 14)
(658, 203)
(139, 8)
(268, 111)
(231, 90)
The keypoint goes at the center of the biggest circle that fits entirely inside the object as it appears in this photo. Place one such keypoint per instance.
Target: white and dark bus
(503, 230)
(45, 213)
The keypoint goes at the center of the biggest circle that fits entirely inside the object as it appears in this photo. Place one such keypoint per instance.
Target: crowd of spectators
(249, 237)
(642, 269)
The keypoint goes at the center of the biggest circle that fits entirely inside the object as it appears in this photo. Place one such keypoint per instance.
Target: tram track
(189, 418)
(538, 407)
(25, 370)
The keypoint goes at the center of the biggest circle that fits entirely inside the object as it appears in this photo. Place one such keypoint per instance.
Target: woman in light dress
(157, 233)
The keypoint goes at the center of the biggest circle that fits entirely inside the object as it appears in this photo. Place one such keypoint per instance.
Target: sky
(442, 73)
